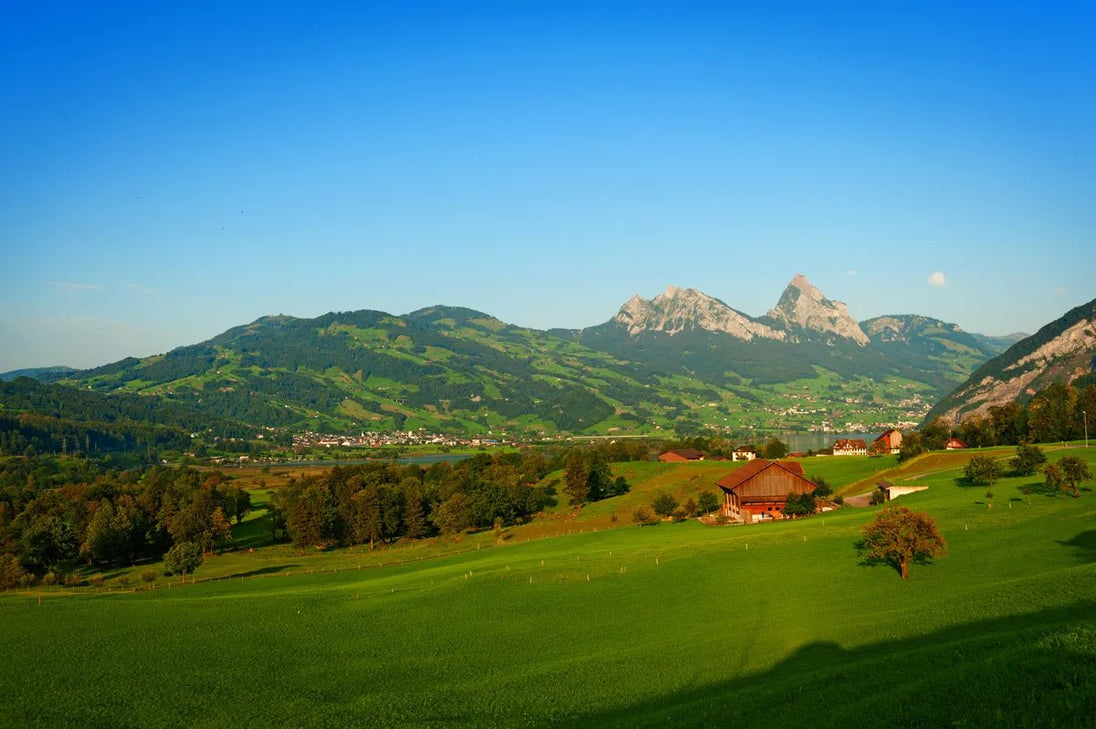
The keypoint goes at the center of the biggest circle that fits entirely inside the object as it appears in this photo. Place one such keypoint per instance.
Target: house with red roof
(850, 447)
(681, 455)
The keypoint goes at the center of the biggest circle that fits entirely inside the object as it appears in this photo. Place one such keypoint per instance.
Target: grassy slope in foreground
(746, 626)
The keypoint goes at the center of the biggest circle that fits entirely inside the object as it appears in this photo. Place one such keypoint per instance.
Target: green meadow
(609, 625)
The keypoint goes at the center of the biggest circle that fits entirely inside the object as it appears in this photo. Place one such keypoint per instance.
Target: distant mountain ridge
(680, 361)
(677, 310)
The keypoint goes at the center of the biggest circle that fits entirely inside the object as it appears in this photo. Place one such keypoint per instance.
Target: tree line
(1054, 414)
(60, 512)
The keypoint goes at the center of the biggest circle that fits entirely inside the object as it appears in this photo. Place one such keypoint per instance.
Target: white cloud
(141, 289)
(937, 279)
(69, 286)
(851, 272)
(1059, 290)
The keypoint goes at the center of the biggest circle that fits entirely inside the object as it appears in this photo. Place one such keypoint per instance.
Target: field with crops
(609, 625)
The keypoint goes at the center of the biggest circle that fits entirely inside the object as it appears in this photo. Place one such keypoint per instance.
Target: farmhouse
(954, 444)
(760, 490)
(889, 442)
(681, 455)
(744, 454)
(851, 447)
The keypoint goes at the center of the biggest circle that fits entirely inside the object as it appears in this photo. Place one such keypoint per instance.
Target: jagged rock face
(1068, 356)
(803, 306)
(676, 310)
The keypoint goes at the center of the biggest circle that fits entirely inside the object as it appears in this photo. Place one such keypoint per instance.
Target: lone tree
(983, 469)
(898, 536)
(707, 502)
(1029, 459)
(664, 504)
(1070, 472)
(183, 559)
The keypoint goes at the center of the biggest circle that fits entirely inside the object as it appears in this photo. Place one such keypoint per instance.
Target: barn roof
(735, 479)
(689, 454)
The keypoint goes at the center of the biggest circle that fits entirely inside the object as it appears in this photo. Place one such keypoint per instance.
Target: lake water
(803, 442)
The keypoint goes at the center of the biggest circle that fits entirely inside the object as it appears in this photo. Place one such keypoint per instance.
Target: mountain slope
(1062, 351)
(681, 361)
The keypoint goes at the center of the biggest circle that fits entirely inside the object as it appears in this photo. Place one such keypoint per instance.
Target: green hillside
(768, 625)
(446, 369)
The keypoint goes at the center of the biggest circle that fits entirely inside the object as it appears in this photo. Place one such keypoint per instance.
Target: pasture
(767, 625)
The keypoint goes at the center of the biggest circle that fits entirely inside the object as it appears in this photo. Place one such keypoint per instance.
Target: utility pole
(1085, 414)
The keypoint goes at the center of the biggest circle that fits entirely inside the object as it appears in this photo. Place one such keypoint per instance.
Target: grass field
(678, 624)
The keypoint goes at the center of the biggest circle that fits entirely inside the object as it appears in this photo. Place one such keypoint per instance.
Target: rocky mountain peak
(678, 309)
(802, 305)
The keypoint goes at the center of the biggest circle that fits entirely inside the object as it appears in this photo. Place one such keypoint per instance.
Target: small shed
(892, 491)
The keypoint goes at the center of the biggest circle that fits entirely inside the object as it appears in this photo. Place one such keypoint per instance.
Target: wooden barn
(760, 490)
(681, 455)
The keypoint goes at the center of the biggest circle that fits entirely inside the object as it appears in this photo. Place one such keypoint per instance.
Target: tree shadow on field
(1085, 543)
(271, 570)
(1036, 669)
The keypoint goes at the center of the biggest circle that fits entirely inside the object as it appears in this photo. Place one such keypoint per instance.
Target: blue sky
(169, 170)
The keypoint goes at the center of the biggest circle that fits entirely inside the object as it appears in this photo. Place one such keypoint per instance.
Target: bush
(664, 504)
(643, 516)
(707, 502)
(96, 580)
(149, 576)
(689, 509)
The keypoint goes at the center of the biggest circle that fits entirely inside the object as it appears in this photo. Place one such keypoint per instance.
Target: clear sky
(172, 169)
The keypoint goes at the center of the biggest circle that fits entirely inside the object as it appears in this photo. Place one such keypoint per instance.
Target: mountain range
(680, 361)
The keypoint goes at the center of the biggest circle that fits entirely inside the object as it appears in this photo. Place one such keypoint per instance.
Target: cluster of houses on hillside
(377, 440)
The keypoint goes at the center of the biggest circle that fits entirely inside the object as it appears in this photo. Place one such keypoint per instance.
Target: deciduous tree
(664, 504)
(899, 536)
(1029, 458)
(183, 559)
(984, 469)
(1074, 471)
(707, 502)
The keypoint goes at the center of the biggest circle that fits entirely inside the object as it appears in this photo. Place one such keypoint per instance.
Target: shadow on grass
(1085, 543)
(253, 532)
(1036, 669)
(271, 570)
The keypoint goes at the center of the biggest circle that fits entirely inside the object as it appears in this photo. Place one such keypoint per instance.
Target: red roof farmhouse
(851, 447)
(760, 490)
